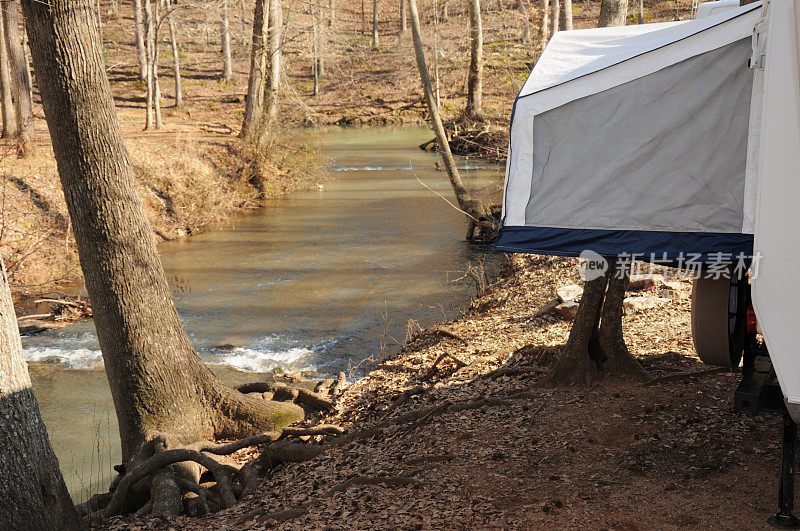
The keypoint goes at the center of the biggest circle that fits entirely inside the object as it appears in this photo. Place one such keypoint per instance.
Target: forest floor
(499, 450)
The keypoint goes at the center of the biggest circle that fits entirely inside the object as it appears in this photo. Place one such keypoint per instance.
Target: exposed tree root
(284, 392)
(459, 364)
(166, 473)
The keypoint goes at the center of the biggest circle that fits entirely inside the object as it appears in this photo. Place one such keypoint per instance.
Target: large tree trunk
(375, 37)
(32, 491)
(21, 90)
(254, 104)
(160, 386)
(141, 49)
(225, 37)
(613, 13)
(474, 107)
(9, 123)
(474, 210)
(566, 15)
(176, 60)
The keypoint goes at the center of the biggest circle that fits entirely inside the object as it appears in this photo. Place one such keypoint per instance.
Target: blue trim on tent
(665, 246)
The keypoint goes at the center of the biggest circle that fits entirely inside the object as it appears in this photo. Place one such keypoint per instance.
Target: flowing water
(317, 280)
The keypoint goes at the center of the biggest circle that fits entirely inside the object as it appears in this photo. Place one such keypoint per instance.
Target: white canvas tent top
(634, 139)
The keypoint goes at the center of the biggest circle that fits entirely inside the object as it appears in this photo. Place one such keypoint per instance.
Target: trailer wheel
(719, 320)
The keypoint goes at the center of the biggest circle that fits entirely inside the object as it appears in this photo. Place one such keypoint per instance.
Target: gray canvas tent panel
(665, 152)
(634, 140)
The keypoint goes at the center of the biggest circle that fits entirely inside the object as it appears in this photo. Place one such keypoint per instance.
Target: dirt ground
(617, 455)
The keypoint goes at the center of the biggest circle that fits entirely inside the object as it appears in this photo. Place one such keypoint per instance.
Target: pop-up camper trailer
(674, 142)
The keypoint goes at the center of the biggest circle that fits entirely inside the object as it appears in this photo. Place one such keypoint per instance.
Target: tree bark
(474, 210)
(32, 489)
(9, 120)
(613, 13)
(254, 104)
(176, 60)
(141, 49)
(375, 36)
(566, 15)
(21, 90)
(225, 37)
(474, 108)
(160, 386)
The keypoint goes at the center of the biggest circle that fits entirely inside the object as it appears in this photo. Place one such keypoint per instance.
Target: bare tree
(544, 28)
(476, 212)
(275, 28)
(176, 60)
(20, 82)
(164, 396)
(225, 37)
(596, 344)
(474, 107)
(32, 489)
(254, 104)
(375, 41)
(522, 6)
(153, 99)
(9, 123)
(141, 49)
(566, 15)
(403, 18)
(555, 6)
(613, 13)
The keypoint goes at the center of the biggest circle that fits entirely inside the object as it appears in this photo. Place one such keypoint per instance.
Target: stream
(315, 281)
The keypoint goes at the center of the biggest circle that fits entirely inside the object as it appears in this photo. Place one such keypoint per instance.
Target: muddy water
(317, 280)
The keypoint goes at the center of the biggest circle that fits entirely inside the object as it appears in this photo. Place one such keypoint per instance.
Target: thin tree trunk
(315, 49)
(275, 27)
(445, 10)
(332, 7)
(32, 489)
(522, 6)
(641, 11)
(403, 18)
(474, 210)
(160, 386)
(566, 12)
(613, 13)
(474, 108)
(149, 27)
(544, 28)
(555, 6)
(254, 104)
(225, 36)
(141, 49)
(23, 107)
(176, 60)
(27, 61)
(156, 83)
(375, 41)
(9, 121)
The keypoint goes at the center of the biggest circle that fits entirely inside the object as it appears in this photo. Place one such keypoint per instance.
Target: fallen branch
(459, 364)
